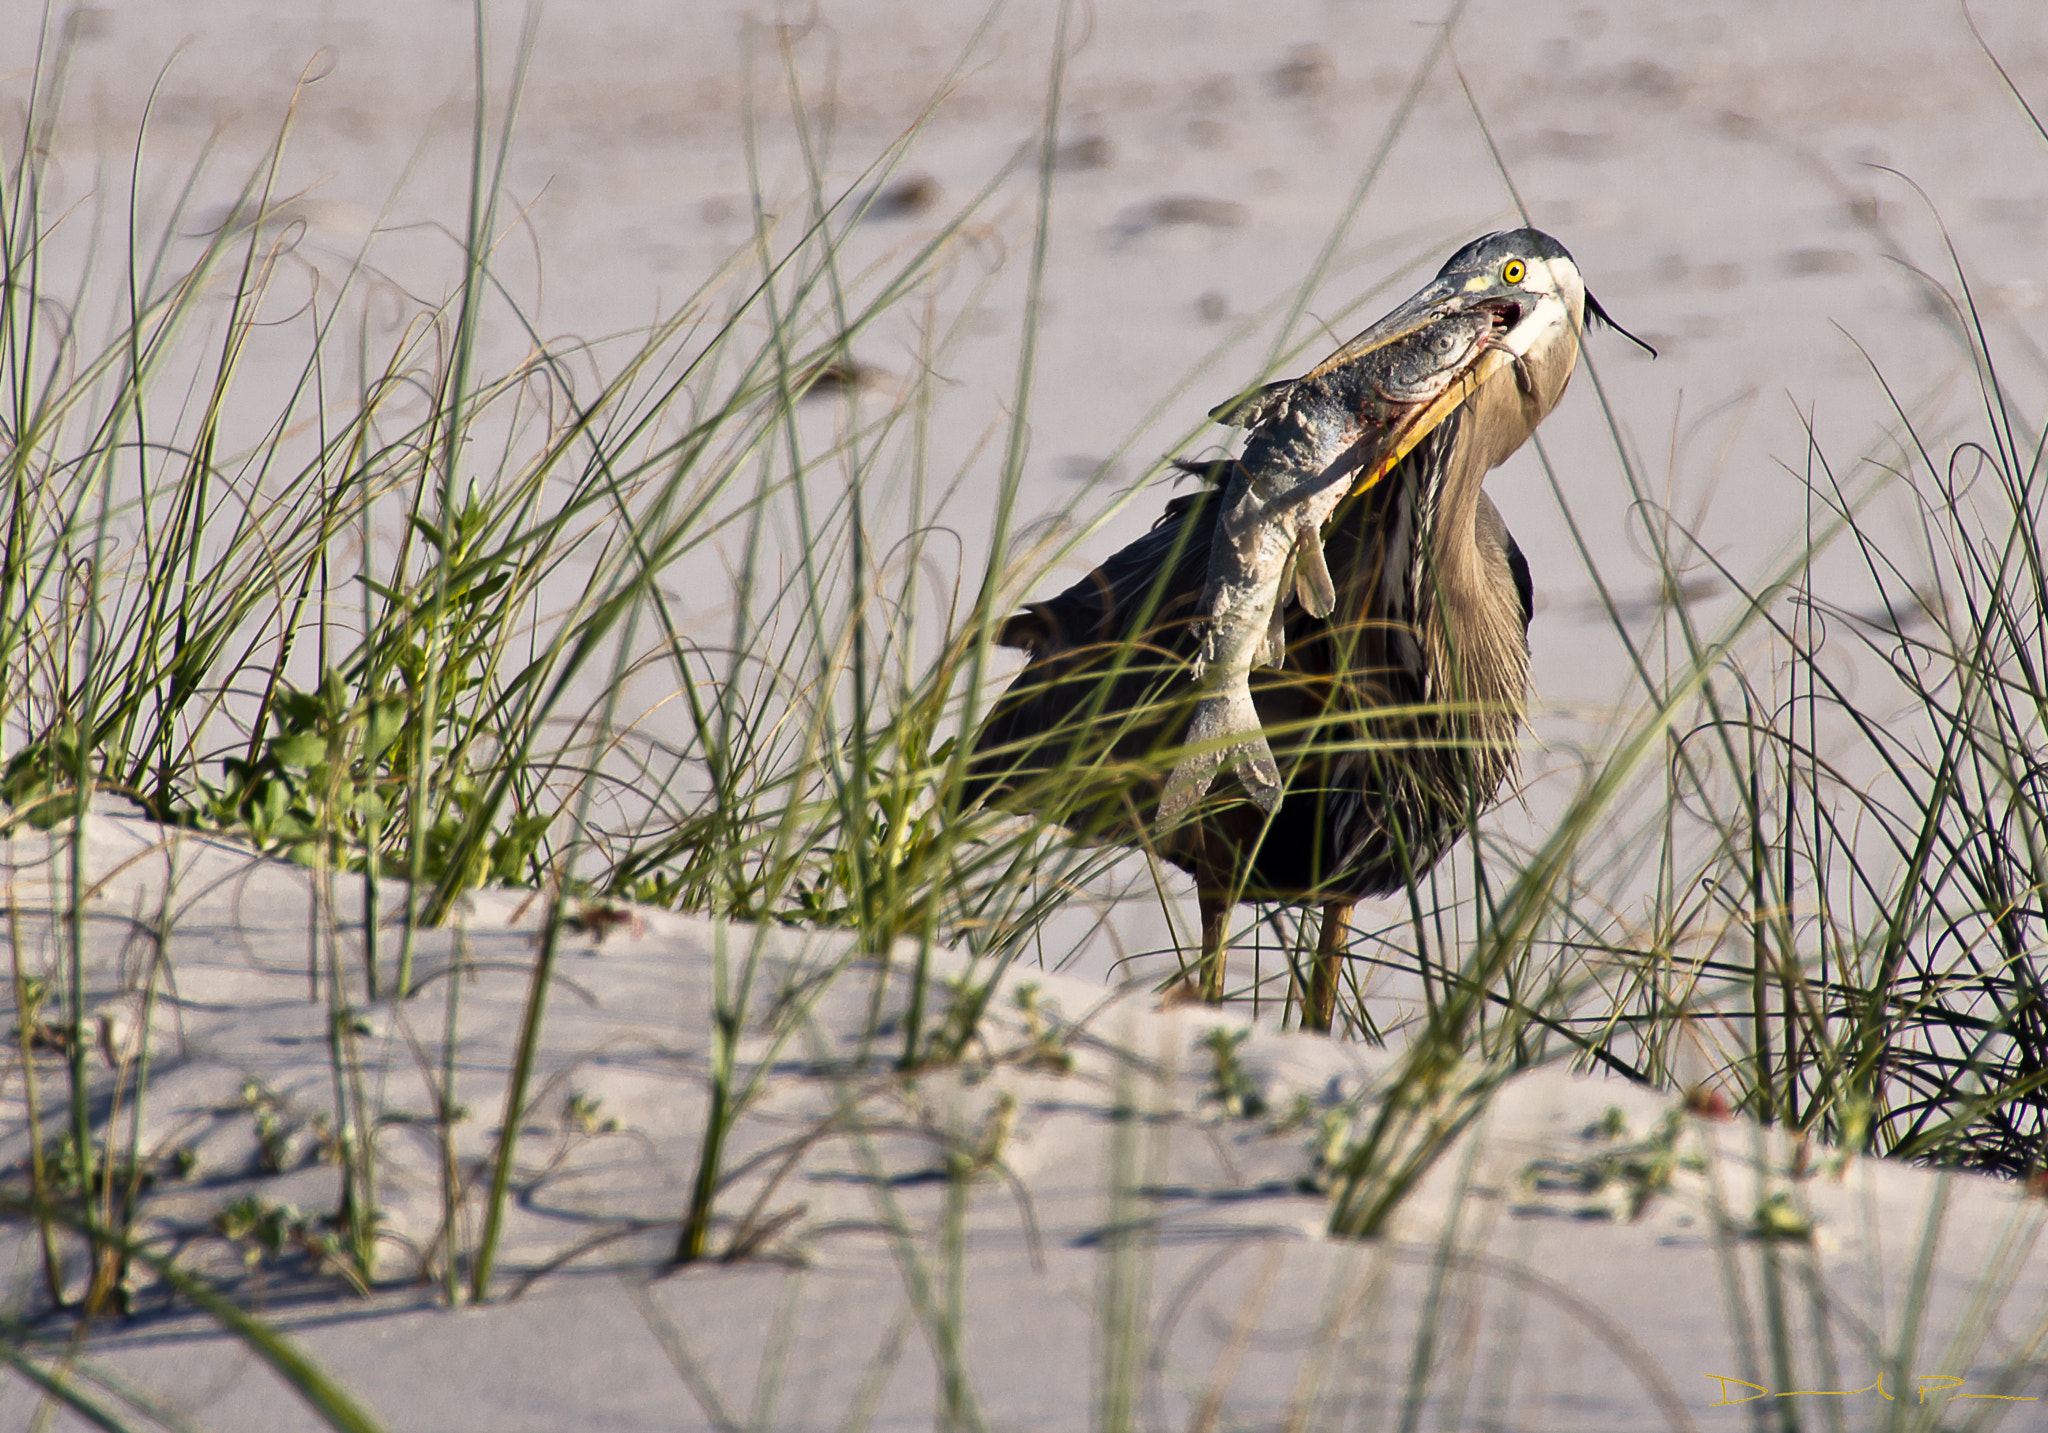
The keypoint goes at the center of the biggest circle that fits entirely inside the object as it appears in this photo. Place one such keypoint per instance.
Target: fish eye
(1513, 271)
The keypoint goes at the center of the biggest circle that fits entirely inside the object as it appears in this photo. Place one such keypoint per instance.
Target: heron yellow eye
(1512, 271)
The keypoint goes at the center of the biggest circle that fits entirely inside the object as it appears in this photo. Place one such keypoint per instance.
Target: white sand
(1567, 1315)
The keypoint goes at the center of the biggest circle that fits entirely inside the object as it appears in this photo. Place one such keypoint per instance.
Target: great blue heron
(1393, 719)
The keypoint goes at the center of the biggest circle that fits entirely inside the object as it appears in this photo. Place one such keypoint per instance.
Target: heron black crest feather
(1597, 314)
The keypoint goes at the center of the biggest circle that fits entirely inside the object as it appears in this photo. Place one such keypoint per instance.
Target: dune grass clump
(374, 601)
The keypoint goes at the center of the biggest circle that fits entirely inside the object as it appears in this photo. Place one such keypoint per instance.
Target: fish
(1314, 441)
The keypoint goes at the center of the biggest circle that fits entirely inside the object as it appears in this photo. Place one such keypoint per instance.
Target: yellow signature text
(1934, 1383)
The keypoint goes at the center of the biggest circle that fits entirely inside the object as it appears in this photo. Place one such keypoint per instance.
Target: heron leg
(1215, 910)
(1322, 982)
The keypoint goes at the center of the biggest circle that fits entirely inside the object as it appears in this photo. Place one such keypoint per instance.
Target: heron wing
(1154, 578)
(1104, 654)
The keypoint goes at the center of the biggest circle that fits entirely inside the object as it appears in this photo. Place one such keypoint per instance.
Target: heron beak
(1423, 419)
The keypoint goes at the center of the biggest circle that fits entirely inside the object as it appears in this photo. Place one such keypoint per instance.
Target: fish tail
(1225, 729)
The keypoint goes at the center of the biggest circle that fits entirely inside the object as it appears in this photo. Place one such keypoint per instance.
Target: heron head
(1529, 286)
(1524, 279)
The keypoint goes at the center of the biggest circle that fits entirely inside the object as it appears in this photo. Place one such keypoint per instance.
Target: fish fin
(1223, 610)
(1251, 409)
(1225, 728)
(1313, 587)
(1244, 514)
(1258, 773)
(1188, 784)
(1273, 650)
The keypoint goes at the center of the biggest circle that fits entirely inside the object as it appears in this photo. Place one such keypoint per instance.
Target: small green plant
(1231, 1087)
(966, 999)
(1622, 1176)
(265, 1233)
(38, 787)
(1328, 1150)
(1778, 1217)
(280, 1137)
(983, 1150)
(1298, 1113)
(112, 1171)
(261, 1231)
(585, 1114)
(1045, 1047)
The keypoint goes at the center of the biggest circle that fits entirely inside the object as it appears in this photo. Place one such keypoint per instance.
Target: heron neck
(1474, 615)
